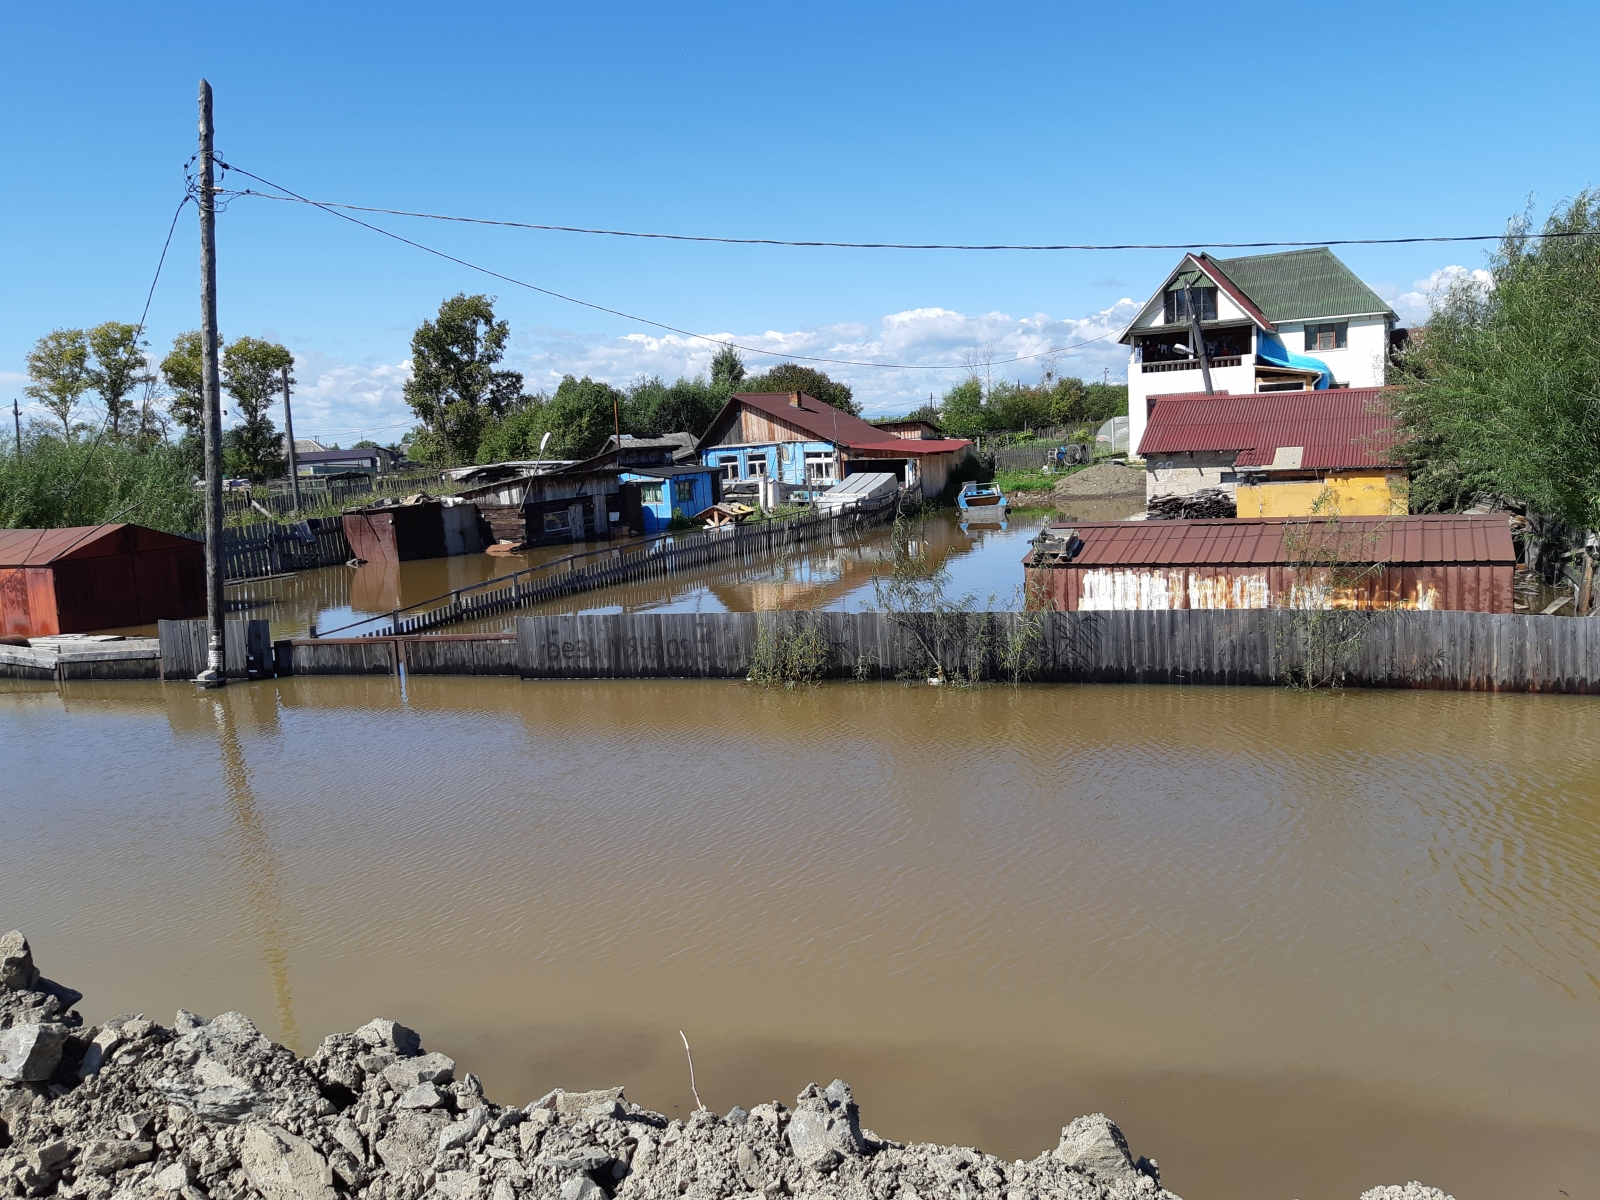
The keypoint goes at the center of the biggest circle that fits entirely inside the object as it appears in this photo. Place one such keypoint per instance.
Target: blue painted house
(797, 439)
(651, 496)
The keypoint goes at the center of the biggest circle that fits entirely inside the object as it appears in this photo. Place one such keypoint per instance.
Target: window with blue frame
(683, 495)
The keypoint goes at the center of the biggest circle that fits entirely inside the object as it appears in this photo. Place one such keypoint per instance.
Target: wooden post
(16, 415)
(215, 674)
(288, 438)
(1199, 339)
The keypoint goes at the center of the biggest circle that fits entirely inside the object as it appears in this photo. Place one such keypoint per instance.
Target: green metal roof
(1301, 284)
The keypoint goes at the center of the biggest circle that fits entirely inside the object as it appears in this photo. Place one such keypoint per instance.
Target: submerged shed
(90, 577)
(412, 530)
(1417, 562)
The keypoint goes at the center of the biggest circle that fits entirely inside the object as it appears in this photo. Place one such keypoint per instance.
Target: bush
(55, 482)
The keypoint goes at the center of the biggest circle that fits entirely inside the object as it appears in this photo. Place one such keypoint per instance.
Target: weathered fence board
(462, 654)
(246, 648)
(336, 656)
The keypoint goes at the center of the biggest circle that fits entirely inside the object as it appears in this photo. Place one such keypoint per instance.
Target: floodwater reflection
(1297, 945)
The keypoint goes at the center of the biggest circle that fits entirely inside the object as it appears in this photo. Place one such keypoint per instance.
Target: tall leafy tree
(182, 370)
(119, 367)
(252, 373)
(687, 406)
(455, 387)
(1503, 397)
(58, 365)
(792, 377)
(727, 368)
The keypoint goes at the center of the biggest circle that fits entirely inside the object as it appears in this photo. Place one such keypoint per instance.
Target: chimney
(794, 399)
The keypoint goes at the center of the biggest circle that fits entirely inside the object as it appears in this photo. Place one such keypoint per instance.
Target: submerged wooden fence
(672, 555)
(1453, 650)
(246, 648)
(270, 548)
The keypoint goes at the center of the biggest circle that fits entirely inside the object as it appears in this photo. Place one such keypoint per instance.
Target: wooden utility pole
(16, 415)
(215, 674)
(1199, 339)
(288, 437)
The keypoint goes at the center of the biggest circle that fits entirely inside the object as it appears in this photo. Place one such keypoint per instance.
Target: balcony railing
(1190, 364)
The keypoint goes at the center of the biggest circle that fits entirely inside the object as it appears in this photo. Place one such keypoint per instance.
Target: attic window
(1175, 310)
(1332, 335)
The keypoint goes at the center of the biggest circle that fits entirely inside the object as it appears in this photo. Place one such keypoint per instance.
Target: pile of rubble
(1207, 503)
(214, 1110)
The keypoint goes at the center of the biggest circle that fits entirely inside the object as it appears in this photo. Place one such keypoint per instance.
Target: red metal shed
(90, 577)
(1422, 562)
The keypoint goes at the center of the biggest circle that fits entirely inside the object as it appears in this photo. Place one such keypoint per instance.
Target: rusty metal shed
(1417, 562)
(89, 577)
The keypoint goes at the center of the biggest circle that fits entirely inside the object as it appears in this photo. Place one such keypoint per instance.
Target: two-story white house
(1271, 323)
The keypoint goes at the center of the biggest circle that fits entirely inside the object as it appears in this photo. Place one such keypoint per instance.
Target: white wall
(1363, 361)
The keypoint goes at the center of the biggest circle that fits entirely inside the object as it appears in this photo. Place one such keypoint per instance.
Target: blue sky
(925, 122)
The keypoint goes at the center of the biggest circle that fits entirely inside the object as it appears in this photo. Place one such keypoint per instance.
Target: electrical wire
(737, 241)
(842, 362)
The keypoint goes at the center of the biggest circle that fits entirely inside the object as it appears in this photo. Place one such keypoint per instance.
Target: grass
(1033, 481)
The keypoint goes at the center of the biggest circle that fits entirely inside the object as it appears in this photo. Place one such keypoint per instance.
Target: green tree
(580, 417)
(514, 436)
(792, 377)
(119, 367)
(687, 406)
(961, 412)
(252, 372)
(58, 365)
(1102, 401)
(454, 387)
(727, 368)
(1503, 394)
(182, 370)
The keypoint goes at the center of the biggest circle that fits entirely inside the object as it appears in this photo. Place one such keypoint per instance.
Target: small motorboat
(982, 502)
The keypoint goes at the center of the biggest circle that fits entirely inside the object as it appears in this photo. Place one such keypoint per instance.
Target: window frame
(646, 490)
(1340, 331)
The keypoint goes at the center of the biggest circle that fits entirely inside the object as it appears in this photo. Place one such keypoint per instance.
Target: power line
(842, 362)
(737, 241)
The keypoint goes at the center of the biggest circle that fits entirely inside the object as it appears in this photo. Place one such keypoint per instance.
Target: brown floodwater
(1296, 945)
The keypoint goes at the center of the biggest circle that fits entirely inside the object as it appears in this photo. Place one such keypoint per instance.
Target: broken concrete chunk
(581, 1187)
(188, 1022)
(826, 1126)
(17, 972)
(282, 1166)
(464, 1130)
(107, 1157)
(31, 1053)
(424, 1095)
(1094, 1143)
(427, 1068)
(383, 1034)
(1409, 1191)
(574, 1103)
(410, 1141)
(172, 1179)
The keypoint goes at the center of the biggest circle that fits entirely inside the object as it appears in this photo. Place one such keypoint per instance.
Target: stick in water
(692, 1088)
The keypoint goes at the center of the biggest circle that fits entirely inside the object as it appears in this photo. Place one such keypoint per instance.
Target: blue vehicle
(982, 502)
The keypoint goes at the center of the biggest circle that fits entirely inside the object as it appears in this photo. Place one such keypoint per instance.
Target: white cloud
(340, 401)
(1416, 306)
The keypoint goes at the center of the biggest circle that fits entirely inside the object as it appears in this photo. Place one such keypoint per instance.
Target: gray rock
(424, 1095)
(582, 1187)
(410, 1141)
(1409, 1191)
(1094, 1143)
(383, 1034)
(503, 1190)
(49, 1158)
(107, 1157)
(576, 1103)
(136, 1124)
(188, 1022)
(826, 1126)
(427, 1068)
(17, 972)
(586, 1159)
(282, 1166)
(464, 1130)
(31, 1053)
(172, 1179)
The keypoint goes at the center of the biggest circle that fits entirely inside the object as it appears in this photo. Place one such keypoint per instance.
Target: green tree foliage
(967, 412)
(455, 387)
(1102, 401)
(792, 377)
(727, 368)
(119, 367)
(58, 481)
(687, 406)
(514, 436)
(1503, 397)
(183, 372)
(252, 373)
(58, 365)
(962, 414)
(580, 417)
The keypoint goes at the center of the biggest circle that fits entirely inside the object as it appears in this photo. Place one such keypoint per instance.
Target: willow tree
(1503, 394)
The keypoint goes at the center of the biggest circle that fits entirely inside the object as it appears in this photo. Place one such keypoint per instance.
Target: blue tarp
(1270, 349)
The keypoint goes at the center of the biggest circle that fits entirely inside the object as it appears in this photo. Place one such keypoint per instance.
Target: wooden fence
(270, 548)
(246, 648)
(672, 555)
(1453, 650)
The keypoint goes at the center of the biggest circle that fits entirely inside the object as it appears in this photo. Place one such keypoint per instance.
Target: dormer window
(1175, 308)
(1331, 335)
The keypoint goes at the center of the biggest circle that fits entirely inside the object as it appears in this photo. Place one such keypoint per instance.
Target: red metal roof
(1270, 541)
(1339, 427)
(38, 547)
(829, 424)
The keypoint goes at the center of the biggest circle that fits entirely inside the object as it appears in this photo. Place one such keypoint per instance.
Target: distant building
(908, 428)
(799, 440)
(374, 460)
(1278, 453)
(1299, 321)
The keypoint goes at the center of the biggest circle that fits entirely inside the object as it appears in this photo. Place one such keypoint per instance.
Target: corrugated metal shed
(91, 577)
(1427, 562)
(1340, 428)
